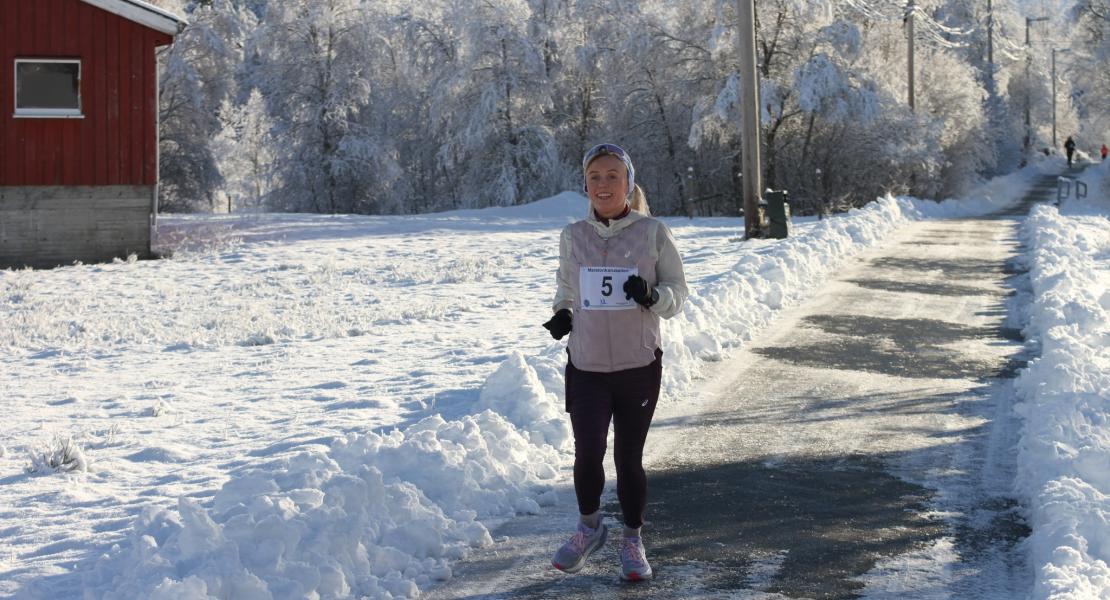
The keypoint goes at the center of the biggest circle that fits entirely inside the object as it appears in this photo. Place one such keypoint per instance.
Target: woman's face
(607, 185)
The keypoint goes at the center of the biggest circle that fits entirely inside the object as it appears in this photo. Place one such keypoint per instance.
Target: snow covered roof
(143, 13)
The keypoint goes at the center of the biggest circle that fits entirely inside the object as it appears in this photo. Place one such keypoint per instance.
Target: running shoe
(572, 556)
(634, 564)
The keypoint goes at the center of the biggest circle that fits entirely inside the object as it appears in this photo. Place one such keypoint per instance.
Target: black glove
(637, 290)
(559, 325)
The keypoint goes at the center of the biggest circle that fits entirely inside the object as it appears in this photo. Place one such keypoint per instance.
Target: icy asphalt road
(862, 448)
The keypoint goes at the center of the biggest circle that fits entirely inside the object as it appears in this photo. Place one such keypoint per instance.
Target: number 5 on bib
(602, 288)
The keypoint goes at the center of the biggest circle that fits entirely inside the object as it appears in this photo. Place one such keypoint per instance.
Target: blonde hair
(639, 201)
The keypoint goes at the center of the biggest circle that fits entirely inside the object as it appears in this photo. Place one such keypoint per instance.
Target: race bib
(602, 288)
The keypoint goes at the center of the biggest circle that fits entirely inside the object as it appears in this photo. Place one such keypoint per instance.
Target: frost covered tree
(490, 112)
(948, 141)
(819, 106)
(649, 85)
(1091, 48)
(395, 106)
(578, 60)
(198, 75)
(837, 101)
(315, 60)
(953, 98)
(244, 152)
(700, 74)
(826, 114)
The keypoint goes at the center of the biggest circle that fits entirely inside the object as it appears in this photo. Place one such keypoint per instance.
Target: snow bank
(1064, 455)
(375, 516)
(516, 392)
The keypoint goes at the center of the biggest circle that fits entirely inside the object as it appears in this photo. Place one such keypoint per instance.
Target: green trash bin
(778, 214)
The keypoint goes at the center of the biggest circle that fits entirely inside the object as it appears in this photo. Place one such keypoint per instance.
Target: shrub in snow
(62, 454)
(259, 339)
(160, 408)
(108, 437)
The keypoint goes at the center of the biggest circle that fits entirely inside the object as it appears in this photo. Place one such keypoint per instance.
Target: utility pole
(990, 48)
(911, 7)
(1053, 99)
(1054, 51)
(1028, 82)
(749, 118)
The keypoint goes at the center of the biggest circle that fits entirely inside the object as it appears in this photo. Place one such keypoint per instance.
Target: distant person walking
(1069, 146)
(1104, 151)
(619, 274)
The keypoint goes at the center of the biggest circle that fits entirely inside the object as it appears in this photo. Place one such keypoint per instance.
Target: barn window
(47, 87)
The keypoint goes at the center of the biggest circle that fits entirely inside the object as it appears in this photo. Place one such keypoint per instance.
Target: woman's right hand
(560, 324)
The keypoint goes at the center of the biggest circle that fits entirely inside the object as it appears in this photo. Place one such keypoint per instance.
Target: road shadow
(922, 287)
(958, 269)
(910, 348)
(805, 528)
(816, 523)
(905, 403)
(915, 332)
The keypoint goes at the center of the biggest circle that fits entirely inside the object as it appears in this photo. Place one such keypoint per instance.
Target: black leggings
(627, 398)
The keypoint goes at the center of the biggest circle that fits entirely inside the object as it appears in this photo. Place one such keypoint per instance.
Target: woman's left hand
(637, 290)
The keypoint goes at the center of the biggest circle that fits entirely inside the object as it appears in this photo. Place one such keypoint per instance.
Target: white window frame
(46, 113)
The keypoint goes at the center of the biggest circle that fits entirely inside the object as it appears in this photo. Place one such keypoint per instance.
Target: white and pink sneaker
(634, 564)
(585, 541)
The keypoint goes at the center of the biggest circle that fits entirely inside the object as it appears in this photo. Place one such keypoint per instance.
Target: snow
(921, 574)
(1064, 455)
(315, 406)
(377, 515)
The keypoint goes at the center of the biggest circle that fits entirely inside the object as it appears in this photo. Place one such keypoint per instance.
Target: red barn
(78, 128)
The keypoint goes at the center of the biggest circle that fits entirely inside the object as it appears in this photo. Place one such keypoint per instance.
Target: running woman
(619, 273)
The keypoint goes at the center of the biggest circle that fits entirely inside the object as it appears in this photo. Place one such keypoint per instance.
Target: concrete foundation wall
(47, 226)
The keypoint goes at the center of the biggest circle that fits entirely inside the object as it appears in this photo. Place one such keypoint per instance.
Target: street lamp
(1028, 61)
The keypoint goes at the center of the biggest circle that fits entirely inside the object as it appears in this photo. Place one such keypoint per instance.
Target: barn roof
(143, 13)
